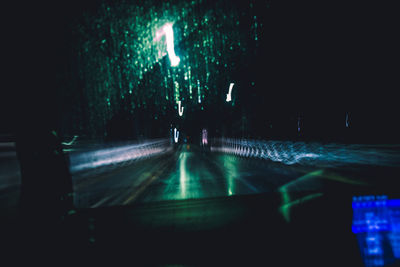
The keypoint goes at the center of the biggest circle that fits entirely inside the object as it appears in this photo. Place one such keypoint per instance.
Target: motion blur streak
(183, 174)
(176, 135)
(70, 142)
(120, 154)
(229, 95)
(327, 155)
(204, 137)
(169, 35)
(180, 109)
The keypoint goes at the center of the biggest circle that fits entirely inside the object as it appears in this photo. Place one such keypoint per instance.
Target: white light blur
(176, 135)
(100, 157)
(204, 137)
(180, 109)
(228, 96)
(169, 36)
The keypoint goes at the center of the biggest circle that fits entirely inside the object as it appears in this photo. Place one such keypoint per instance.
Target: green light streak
(302, 184)
(183, 175)
(230, 171)
(285, 211)
(285, 192)
(70, 142)
(287, 206)
(176, 85)
(321, 174)
(117, 55)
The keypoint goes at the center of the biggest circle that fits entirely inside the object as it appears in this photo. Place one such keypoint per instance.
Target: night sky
(95, 69)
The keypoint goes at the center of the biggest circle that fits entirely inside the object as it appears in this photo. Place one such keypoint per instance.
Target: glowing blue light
(298, 124)
(198, 91)
(376, 222)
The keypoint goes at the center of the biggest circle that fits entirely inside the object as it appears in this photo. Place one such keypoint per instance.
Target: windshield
(155, 102)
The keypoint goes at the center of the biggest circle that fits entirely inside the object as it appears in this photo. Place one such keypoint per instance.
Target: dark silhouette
(46, 184)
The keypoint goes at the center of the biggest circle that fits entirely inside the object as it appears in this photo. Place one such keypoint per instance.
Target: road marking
(145, 184)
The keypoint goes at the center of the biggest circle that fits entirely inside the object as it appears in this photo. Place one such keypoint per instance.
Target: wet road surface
(188, 172)
(201, 202)
(192, 173)
(196, 174)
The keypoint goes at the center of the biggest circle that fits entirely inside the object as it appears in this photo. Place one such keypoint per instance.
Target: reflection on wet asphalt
(188, 172)
(196, 174)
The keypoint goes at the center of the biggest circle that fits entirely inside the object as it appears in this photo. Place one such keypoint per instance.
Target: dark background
(324, 59)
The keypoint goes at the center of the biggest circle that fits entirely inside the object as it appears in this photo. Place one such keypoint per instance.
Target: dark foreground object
(217, 231)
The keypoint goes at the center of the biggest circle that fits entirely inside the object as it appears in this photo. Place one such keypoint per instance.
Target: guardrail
(117, 155)
(289, 153)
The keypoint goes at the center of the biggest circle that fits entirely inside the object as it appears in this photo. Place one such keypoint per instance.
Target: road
(188, 172)
(190, 203)
(191, 173)
(204, 201)
(10, 177)
(195, 174)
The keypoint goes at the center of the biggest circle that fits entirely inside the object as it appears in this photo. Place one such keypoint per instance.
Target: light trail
(183, 175)
(83, 161)
(229, 96)
(70, 142)
(328, 155)
(176, 135)
(169, 36)
(180, 109)
(204, 137)
(298, 124)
